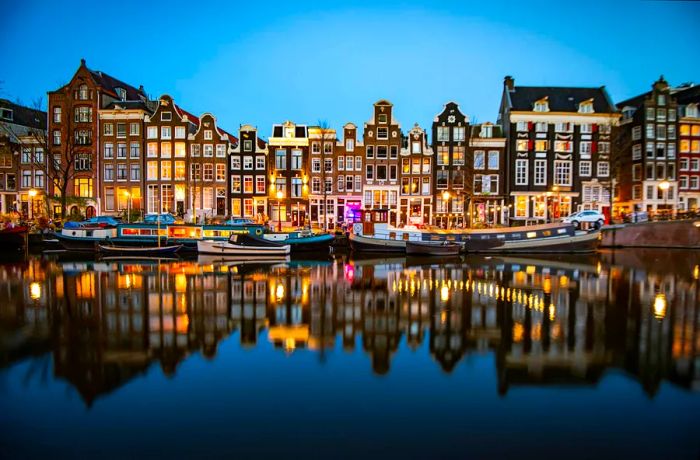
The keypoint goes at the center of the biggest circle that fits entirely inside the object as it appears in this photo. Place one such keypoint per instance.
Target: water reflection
(563, 322)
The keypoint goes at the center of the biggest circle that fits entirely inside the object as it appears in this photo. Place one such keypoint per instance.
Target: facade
(323, 173)
(559, 150)
(487, 160)
(208, 163)
(75, 133)
(167, 131)
(23, 160)
(649, 129)
(350, 153)
(416, 174)
(383, 140)
(288, 172)
(451, 181)
(248, 176)
(688, 99)
(121, 157)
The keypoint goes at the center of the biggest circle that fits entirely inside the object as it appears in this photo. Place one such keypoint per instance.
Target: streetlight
(279, 210)
(446, 199)
(663, 186)
(32, 194)
(128, 206)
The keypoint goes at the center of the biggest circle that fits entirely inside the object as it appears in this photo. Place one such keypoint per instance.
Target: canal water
(480, 357)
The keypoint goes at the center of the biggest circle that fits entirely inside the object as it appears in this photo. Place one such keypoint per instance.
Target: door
(180, 207)
(220, 206)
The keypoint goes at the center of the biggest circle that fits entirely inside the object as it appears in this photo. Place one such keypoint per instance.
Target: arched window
(83, 92)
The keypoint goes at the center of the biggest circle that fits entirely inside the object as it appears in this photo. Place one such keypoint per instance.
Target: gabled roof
(129, 105)
(688, 95)
(182, 112)
(560, 98)
(110, 84)
(24, 116)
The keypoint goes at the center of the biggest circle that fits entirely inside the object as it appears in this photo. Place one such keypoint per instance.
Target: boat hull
(226, 248)
(415, 248)
(579, 243)
(361, 243)
(142, 251)
(13, 238)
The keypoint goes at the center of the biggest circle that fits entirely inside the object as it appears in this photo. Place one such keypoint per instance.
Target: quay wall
(665, 234)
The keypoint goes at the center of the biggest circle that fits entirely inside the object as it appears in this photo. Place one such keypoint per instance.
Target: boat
(84, 238)
(432, 248)
(14, 237)
(303, 241)
(374, 234)
(244, 246)
(140, 251)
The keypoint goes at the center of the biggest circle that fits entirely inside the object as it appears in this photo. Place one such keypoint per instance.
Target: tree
(58, 168)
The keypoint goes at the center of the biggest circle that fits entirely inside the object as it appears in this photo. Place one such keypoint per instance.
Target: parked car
(103, 221)
(594, 217)
(165, 219)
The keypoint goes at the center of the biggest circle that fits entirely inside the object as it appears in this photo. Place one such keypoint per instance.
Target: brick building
(416, 194)
(288, 169)
(487, 165)
(248, 175)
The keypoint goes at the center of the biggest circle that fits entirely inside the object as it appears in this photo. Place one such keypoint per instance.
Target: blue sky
(265, 62)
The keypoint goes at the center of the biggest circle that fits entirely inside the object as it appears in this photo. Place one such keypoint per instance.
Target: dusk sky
(266, 62)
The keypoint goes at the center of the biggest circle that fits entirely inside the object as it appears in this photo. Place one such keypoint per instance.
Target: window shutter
(530, 144)
(594, 147)
(595, 128)
(529, 126)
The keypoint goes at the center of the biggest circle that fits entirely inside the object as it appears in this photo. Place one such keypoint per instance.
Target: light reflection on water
(558, 325)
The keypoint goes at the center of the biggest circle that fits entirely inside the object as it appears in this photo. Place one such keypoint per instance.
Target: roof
(233, 139)
(129, 105)
(111, 84)
(24, 116)
(688, 95)
(496, 131)
(560, 98)
(182, 112)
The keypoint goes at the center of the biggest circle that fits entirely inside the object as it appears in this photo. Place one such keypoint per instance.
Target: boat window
(405, 236)
(561, 230)
(130, 231)
(502, 236)
(531, 234)
(146, 231)
(392, 235)
(547, 233)
(516, 235)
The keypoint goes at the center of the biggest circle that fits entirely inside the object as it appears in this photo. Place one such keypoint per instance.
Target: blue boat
(303, 241)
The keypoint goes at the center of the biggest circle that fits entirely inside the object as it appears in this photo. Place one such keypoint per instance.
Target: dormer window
(247, 145)
(289, 131)
(586, 106)
(6, 114)
(486, 131)
(121, 92)
(542, 105)
(691, 111)
(661, 99)
(166, 116)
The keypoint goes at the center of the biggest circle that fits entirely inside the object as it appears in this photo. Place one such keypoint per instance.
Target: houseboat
(244, 246)
(374, 234)
(303, 241)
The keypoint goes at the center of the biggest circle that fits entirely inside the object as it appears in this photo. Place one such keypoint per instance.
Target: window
(393, 172)
(493, 159)
(235, 162)
(315, 185)
(661, 132)
(108, 129)
(651, 134)
(661, 99)
(443, 155)
(83, 162)
(370, 151)
(562, 172)
(179, 170)
(152, 170)
(381, 152)
(327, 148)
(522, 145)
(83, 136)
(541, 106)
(458, 133)
(315, 165)
(521, 206)
(208, 135)
(166, 171)
(585, 107)
(563, 127)
(220, 172)
(540, 172)
(165, 132)
(443, 133)
(134, 129)
(83, 114)
(83, 187)
(166, 149)
(358, 183)
(152, 149)
(341, 163)
(382, 133)
(221, 150)
(179, 132)
(328, 165)
(691, 111)
(348, 183)
(109, 198)
(166, 116)
(208, 172)
(208, 150)
(135, 150)
(441, 179)
(341, 183)
(152, 132)
(394, 152)
(660, 150)
(541, 145)
(135, 172)
(281, 159)
(235, 184)
(585, 148)
(520, 172)
(415, 147)
(296, 186)
(457, 157)
(247, 184)
(382, 118)
(296, 159)
(349, 145)
(695, 164)
(315, 147)
(584, 168)
(57, 114)
(650, 150)
(604, 148)
(260, 185)
(56, 137)
(109, 172)
(671, 172)
(563, 146)
(121, 171)
(381, 172)
(636, 152)
(486, 131)
(683, 165)
(26, 179)
(248, 163)
(121, 150)
(649, 172)
(541, 127)
(603, 169)
(650, 113)
(694, 182)
(121, 130)
(636, 133)
(479, 159)
(522, 126)
(83, 92)
(369, 174)
(260, 163)
(109, 150)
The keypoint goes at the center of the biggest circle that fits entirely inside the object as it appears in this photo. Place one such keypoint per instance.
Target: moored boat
(244, 246)
(13, 237)
(140, 251)
(303, 241)
(432, 248)
(84, 239)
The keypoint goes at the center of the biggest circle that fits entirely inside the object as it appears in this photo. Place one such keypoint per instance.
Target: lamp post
(279, 210)
(32, 194)
(663, 186)
(446, 200)
(128, 205)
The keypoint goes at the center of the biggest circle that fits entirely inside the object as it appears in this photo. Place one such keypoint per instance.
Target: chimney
(509, 82)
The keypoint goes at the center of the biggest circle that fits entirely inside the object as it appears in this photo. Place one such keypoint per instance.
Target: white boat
(244, 246)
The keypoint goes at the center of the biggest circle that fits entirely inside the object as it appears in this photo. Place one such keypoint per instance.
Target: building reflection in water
(563, 322)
